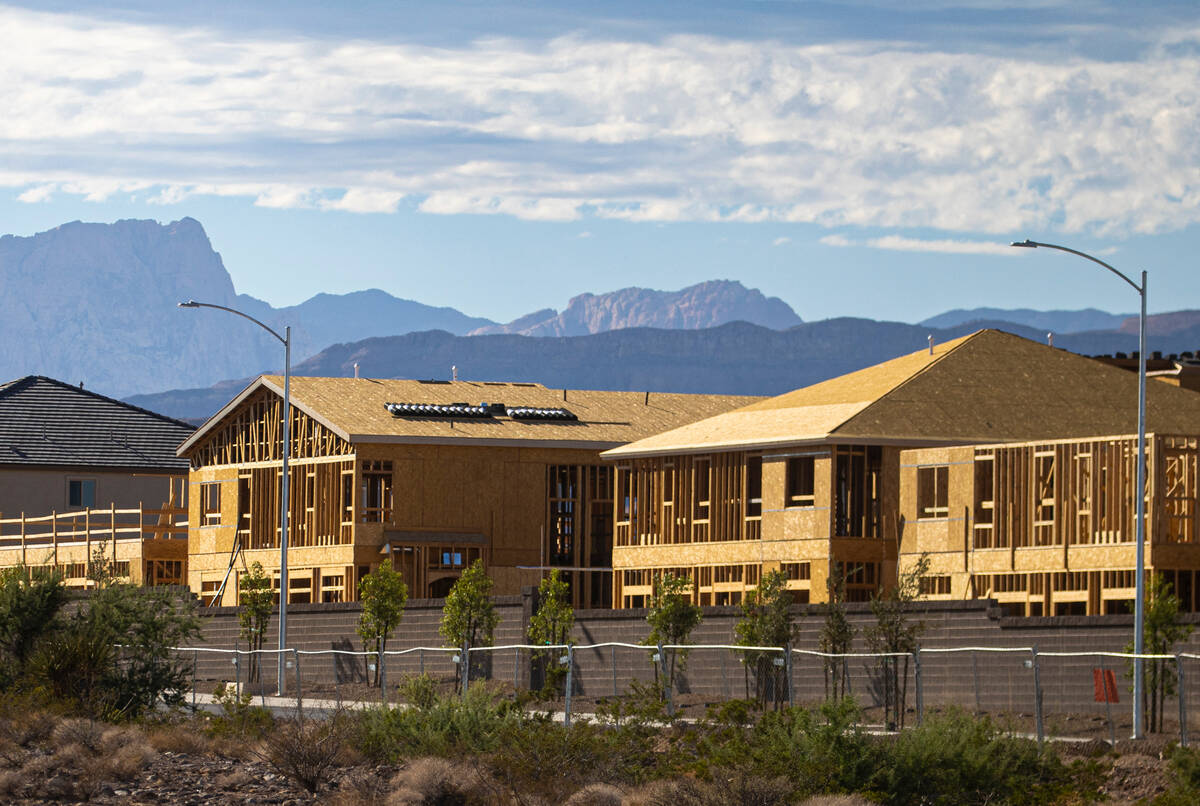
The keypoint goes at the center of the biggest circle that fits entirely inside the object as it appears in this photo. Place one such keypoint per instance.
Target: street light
(286, 339)
(1140, 581)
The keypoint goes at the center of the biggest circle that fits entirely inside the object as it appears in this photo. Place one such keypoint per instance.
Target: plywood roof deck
(988, 387)
(354, 409)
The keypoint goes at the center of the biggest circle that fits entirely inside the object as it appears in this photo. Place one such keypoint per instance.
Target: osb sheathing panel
(730, 553)
(774, 485)
(862, 550)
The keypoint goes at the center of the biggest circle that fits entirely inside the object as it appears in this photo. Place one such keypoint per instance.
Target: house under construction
(1007, 461)
(426, 475)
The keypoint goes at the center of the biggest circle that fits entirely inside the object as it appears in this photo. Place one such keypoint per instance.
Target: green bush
(1185, 774)
(239, 717)
(449, 727)
(959, 759)
(819, 751)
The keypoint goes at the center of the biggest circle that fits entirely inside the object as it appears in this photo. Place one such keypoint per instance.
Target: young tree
(672, 618)
(551, 624)
(766, 621)
(382, 594)
(837, 633)
(1162, 631)
(114, 658)
(30, 602)
(469, 617)
(894, 632)
(256, 600)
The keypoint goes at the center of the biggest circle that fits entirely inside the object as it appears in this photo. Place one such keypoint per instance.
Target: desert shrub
(419, 691)
(727, 788)
(958, 759)
(30, 602)
(1185, 779)
(306, 751)
(24, 720)
(596, 795)
(543, 758)
(450, 727)
(238, 717)
(182, 739)
(113, 657)
(433, 781)
(819, 750)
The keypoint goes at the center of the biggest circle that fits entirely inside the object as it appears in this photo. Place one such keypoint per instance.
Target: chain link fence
(1061, 695)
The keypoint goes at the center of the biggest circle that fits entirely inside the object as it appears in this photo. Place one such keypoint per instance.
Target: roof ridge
(962, 341)
(29, 380)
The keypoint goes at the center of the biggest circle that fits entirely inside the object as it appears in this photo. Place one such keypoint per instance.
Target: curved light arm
(191, 303)
(1034, 244)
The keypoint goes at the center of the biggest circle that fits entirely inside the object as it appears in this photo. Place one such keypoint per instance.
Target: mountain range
(96, 303)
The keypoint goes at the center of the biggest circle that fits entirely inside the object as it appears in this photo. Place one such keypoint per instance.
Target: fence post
(613, 663)
(465, 660)
(516, 670)
(1182, 694)
(1037, 696)
(299, 695)
(237, 673)
(975, 675)
(195, 660)
(570, 684)
(668, 684)
(421, 656)
(787, 669)
(920, 685)
(383, 687)
(337, 679)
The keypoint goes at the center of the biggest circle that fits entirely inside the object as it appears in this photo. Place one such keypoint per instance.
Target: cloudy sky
(863, 159)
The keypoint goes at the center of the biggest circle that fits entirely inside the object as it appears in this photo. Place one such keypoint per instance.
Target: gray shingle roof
(48, 422)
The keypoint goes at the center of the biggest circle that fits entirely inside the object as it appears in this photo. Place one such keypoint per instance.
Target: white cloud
(836, 240)
(686, 129)
(781, 241)
(899, 243)
(38, 193)
(585, 234)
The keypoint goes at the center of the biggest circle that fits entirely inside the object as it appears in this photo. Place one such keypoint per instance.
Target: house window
(801, 471)
(210, 502)
(81, 493)
(933, 499)
(754, 487)
(376, 492)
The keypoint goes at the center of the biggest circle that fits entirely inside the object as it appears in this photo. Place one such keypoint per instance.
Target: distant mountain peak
(703, 305)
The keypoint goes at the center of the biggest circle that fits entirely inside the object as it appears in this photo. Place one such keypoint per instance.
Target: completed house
(425, 475)
(83, 476)
(1007, 461)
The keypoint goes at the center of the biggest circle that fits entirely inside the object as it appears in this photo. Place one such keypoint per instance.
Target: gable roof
(354, 409)
(44, 422)
(989, 386)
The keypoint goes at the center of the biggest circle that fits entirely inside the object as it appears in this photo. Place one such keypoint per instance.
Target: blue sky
(863, 159)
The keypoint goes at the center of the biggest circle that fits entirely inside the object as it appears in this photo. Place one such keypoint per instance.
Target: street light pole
(285, 433)
(1139, 603)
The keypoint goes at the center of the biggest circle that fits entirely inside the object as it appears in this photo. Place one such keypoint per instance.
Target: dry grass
(433, 781)
(838, 800)
(233, 781)
(360, 788)
(597, 795)
(182, 739)
(306, 752)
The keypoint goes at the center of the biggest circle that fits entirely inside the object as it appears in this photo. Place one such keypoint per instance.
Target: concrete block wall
(994, 682)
